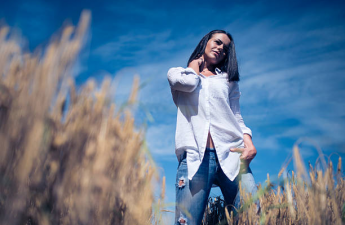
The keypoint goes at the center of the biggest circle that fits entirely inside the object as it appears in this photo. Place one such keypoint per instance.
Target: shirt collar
(217, 70)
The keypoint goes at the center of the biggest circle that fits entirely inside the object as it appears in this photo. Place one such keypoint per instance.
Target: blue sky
(291, 57)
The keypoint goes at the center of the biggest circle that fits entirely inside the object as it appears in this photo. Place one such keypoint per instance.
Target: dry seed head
(78, 193)
(3, 33)
(281, 171)
(163, 188)
(301, 171)
(134, 92)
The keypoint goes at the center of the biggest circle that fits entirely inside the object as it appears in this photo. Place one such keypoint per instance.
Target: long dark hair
(228, 64)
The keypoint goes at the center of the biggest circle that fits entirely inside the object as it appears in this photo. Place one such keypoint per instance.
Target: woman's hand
(197, 64)
(247, 153)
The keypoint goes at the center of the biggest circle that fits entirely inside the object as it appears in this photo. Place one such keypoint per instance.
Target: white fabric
(207, 104)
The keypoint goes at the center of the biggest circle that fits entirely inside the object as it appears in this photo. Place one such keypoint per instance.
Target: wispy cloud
(135, 47)
(291, 56)
(293, 69)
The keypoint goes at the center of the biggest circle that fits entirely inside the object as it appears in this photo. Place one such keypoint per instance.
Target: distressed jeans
(192, 195)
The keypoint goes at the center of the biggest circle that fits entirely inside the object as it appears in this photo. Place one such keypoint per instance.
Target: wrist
(247, 139)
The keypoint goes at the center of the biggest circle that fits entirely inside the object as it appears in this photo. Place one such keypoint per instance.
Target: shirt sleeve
(183, 79)
(235, 107)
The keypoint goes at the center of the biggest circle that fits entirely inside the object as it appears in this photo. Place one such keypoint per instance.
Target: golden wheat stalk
(75, 163)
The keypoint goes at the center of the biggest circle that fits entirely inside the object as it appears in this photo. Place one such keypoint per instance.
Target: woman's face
(216, 48)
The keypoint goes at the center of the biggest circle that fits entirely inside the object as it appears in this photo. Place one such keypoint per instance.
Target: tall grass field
(69, 155)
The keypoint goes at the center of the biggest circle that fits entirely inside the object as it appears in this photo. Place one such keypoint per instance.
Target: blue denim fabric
(249, 186)
(192, 195)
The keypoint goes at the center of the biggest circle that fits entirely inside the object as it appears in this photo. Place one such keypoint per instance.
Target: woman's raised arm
(183, 79)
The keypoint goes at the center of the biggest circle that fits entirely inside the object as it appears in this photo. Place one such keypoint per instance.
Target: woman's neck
(208, 69)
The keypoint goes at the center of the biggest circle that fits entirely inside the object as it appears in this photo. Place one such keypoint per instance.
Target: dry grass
(214, 212)
(83, 162)
(75, 163)
(315, 199)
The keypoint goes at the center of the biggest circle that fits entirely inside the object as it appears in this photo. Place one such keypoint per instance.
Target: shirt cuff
(247, 131)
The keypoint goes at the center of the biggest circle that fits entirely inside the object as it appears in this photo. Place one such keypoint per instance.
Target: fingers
(240, 150)
(246, 153)
(201, 61)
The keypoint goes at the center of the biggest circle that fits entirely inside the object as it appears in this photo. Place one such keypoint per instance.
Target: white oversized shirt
(207, 104)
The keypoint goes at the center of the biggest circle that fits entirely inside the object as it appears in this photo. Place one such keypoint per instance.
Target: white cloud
(135, 47)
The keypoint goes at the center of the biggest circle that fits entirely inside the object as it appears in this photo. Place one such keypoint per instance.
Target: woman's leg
(229, 188)
(192, 195)
(249, 186)
(248, 182)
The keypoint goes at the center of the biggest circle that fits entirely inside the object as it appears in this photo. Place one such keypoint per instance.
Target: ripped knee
(182, 220)
(181, 182)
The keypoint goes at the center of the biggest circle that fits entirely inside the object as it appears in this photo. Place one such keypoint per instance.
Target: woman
(213, 145)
